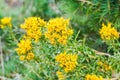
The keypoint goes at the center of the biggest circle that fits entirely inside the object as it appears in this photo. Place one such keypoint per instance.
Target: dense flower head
(108, 33)
(60, 75)
(67, 61)
(24, 46)
(24, 49)
(58, 30)
(6, 21)
(32, 26)
(93, 77)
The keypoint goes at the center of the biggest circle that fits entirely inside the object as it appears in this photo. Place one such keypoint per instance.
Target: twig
(2, 61)
(116, 76)
(101, 53)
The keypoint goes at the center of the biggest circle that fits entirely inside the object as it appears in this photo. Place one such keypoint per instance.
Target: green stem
(77, 35)
(13, 36)
(108, 2)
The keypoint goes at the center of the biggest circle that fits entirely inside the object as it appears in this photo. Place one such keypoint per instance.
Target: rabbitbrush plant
(49, 51)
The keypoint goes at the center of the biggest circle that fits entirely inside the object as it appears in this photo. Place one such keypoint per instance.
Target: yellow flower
(107, 67)
(62, 40)
(33, 26)
(67, 61)
(60, 75)
(24, 50)
(1, 26)
(108, 33)
(6, 21)
(24, 46)
(100, 63)
(52, 40)
(93, 77)
(30, 56)
(22, 57)
(58, 31)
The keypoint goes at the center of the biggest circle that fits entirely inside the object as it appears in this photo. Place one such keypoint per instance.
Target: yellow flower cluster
(58, 30)
(104, 65)
(67, 61)
(6, 21)
(93, 77)
(24, 50)
(32, 26)
(108, 33)
(24, 46)
(60, 75)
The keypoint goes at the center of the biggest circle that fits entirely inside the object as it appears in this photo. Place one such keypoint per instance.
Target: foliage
(57, 45)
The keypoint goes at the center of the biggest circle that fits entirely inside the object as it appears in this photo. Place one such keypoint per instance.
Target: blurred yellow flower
(108, 33)
(24, 50)
(32, 26)
(100, 63)
(93, 77)
(60, 75)
(6, 21)
(24, 46)
(62, 40)
(30, 56)
(67, 61)
(58, 30)
(1, 26)
(107, 67)
(22, 57)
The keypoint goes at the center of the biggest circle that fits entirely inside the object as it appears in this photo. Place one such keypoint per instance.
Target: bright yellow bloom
(108, 33)
(67, 61)
(22, 57)
(30, 56)
(24, 46)
(32, 22)
(24, 50)
(32, 26)
(6, 21)
(93, 77)
(62, 40)
(58, 31)
(60, 75)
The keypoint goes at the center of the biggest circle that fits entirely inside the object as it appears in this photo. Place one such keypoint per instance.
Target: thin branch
(101, 53)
